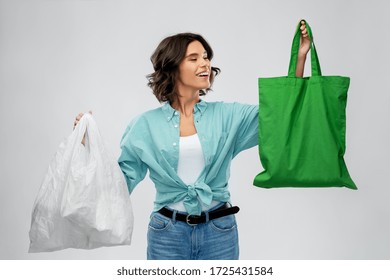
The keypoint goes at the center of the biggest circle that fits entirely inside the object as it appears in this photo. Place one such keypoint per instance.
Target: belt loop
(207, 216)
(174, 216)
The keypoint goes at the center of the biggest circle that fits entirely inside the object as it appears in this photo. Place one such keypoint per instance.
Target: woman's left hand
(303, 49)
(305, 40)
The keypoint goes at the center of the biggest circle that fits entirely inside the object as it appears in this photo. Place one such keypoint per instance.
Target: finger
(79, 116)
(304, 32)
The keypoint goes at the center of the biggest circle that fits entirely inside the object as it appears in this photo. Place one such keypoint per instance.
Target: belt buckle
(188, 220)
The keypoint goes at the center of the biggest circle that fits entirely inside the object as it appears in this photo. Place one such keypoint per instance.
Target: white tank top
(190, 165)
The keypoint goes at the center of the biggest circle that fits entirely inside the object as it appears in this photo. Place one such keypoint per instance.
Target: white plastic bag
(83, 201)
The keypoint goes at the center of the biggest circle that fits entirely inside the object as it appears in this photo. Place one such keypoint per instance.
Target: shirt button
(176, 125)
(175, 113)
(174, 144)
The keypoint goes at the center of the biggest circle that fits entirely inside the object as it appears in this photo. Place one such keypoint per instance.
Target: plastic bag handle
(315, 64)
(88, 126)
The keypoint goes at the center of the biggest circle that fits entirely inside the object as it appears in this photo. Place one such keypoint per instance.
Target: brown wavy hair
(166, 60)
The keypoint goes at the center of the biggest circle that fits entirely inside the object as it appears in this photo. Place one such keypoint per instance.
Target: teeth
(203, 74)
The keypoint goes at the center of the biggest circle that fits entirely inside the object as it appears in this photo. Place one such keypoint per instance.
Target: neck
(185, 103)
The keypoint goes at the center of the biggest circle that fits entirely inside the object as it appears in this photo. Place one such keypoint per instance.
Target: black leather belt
(222, 211)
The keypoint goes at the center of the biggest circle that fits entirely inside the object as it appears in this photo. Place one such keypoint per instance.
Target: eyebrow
(196, 54)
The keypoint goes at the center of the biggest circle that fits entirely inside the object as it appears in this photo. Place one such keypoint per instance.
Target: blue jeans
(169, 239)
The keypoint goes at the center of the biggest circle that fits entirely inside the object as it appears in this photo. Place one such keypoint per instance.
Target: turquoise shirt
(151, 142)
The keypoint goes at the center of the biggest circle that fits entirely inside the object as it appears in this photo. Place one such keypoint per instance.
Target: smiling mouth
(203, 74)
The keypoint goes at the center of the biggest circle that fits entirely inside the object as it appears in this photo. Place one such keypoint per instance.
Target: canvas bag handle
(315, 64)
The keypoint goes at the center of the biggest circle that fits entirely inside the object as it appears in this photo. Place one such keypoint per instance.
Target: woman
(187, 145)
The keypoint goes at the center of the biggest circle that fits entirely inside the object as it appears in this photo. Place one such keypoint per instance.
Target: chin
(206, 85)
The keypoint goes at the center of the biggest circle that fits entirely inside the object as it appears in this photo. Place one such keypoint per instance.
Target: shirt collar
(201, 106)
(169, 112)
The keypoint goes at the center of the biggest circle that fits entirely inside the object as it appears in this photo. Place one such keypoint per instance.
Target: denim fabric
(169, 239)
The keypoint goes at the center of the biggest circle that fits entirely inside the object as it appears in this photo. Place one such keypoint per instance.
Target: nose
(205, 63)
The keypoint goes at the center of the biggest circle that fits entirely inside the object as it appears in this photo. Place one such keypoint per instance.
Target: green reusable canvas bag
(302, 127)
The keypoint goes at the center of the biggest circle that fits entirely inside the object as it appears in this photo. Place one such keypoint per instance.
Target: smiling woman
(188, 145)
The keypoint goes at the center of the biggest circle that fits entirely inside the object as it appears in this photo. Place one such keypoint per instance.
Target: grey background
(59, 58)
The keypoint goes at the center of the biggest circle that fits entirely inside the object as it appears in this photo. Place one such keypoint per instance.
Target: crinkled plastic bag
(83, 201)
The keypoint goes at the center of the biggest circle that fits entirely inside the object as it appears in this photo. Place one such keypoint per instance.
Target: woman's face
(194, 70)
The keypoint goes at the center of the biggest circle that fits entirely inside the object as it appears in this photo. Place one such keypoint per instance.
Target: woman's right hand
(78, 118)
